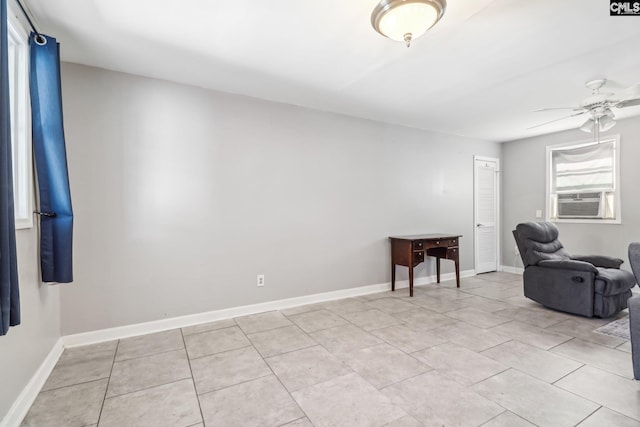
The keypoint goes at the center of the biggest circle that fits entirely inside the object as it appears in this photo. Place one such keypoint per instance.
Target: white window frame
(616, 177)
(18, 40)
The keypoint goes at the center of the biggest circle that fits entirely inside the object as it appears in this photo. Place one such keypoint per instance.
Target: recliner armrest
(568, 264)
(599, 260)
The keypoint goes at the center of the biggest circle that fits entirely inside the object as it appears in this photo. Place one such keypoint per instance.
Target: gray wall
(523, 186)
(25, 347)
(182, 196)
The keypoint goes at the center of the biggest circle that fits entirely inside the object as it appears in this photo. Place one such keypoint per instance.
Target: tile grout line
(322, 329)
(290, 422)
(231, 385)
(594, 366)
(593, 401)
(147, 355)
(404, 379)
(104, 398)
(232, 319)
(567, 391)
(498, 345)
(208, 330)
(220, 352)
(316, 344)
(266, 330)
(193, 381)
(74, 384)
(558, 345)
(568, 373)
(583, 338)
(271, 330)
(493, 418)
(279, 380)
(148, 388)
(588, 416)
(303, 312)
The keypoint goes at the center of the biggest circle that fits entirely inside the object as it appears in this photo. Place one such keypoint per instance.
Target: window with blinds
(18, 65)
(583, 182)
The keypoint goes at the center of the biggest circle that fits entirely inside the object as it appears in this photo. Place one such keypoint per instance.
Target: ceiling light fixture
(588, 126)
(606, 123)
(406, 20)
(602, 120)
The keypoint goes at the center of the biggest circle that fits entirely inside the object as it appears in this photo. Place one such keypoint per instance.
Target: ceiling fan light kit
(588, 126)
(606, 123)
(406, 20)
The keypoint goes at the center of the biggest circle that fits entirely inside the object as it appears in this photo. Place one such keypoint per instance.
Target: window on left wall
(18, 44)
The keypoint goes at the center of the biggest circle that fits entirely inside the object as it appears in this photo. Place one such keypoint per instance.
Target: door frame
(498, 208)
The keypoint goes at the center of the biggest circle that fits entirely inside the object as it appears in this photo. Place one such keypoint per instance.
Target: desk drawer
(418, 257)
(453, 253)
(419, 245)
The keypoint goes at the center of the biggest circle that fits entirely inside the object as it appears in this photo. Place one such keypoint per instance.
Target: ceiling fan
(599, 107)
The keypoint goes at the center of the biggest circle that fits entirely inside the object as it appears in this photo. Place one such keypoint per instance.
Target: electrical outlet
(260, 279)
(538, 213)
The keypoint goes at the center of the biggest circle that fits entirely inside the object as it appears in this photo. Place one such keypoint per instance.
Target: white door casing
(486, 213)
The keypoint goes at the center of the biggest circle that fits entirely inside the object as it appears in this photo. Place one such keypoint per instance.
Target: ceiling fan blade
(557, 120)
(629, 97)
(558, 108)
(628, 103)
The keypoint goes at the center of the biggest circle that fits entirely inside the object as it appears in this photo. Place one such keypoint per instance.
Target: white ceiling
(479, 72)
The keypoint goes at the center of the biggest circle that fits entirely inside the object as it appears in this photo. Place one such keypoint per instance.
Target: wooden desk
(410, 251)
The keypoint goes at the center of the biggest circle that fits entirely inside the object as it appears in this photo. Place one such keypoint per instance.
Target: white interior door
(486, 213)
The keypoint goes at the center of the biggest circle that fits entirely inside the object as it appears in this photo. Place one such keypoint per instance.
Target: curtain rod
(39, 38)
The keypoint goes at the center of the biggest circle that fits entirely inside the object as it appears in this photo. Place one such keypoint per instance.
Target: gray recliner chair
(585, 285)
(634, 311)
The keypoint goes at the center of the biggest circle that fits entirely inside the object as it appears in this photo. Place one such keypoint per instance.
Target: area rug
(618, 328)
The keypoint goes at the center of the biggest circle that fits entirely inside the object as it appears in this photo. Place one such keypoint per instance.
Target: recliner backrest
(538, 241)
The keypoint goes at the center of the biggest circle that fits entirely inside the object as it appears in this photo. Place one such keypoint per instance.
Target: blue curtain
(9, 293)
(56, 223)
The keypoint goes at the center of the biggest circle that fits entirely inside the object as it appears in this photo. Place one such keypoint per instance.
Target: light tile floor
(481, 355)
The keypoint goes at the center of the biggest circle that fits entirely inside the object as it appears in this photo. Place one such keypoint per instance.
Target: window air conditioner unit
(581, 205)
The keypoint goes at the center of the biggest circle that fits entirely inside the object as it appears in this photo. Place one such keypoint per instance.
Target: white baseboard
(120, 332)
(509, 269)
(21, 406)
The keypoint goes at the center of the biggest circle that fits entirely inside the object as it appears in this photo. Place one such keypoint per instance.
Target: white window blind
(586, 168)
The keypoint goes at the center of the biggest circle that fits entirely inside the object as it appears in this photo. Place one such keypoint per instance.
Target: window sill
(585, 221)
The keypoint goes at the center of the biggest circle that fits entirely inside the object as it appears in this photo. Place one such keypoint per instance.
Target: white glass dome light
(406, 20)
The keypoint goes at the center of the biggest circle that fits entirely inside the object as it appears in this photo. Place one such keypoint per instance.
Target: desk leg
(411, 281)
(438, 269)
(393, 276)
(457, 273)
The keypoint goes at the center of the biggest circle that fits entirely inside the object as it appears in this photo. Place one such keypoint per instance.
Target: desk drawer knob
(438, 242)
